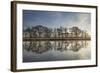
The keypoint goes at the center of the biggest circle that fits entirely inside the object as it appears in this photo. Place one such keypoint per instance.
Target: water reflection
(44, 46)
(35, 51)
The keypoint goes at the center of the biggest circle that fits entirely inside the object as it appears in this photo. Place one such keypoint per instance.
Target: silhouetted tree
(76, 31)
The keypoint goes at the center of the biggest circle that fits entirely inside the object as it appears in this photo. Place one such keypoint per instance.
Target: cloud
(55, 19)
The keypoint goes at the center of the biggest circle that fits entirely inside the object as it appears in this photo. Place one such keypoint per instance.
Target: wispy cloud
(56, 19)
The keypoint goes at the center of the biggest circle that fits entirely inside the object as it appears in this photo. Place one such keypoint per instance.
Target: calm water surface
(36, 51)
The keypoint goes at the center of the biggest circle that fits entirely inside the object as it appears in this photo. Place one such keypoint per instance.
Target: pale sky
(55, 19)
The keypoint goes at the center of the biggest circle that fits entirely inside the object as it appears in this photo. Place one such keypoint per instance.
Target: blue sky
(55, 19)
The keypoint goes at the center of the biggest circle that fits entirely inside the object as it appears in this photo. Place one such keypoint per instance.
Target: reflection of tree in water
(38, 46)
(44, 46)
(61, 45)
(76, 46)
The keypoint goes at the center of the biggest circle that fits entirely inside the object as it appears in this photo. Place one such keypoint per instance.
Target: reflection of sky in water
(55, 55)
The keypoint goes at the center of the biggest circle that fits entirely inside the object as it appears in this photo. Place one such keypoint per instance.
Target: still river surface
(37, 51)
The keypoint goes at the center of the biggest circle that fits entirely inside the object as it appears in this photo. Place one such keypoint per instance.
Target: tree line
(40, 31)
